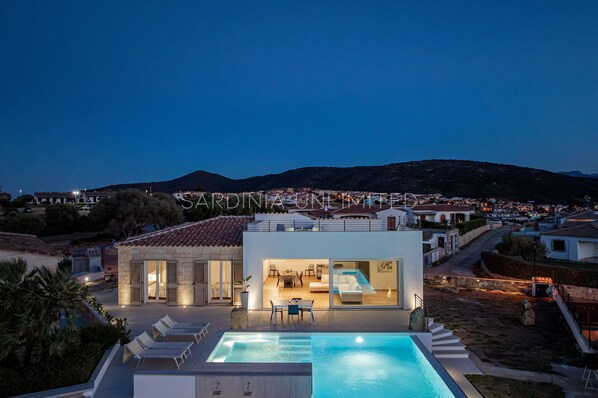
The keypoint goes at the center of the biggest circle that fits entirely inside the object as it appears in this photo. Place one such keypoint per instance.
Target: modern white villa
(337, 263)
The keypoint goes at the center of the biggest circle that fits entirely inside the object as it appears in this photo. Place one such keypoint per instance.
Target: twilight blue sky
(93, 93)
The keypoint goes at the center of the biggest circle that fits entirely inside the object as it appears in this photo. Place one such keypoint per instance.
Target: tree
(513, 246)
(164, 211)
(61, 218)
(125, 213)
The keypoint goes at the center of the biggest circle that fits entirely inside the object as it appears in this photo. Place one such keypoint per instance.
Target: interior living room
(359, 283)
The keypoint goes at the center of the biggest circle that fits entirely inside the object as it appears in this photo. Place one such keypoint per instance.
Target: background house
(577, 243)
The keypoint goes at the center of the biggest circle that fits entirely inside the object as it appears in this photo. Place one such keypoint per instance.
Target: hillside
(449, 177)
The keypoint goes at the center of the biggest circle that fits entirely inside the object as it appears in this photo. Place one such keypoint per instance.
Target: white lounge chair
(172, 324)
(147, 342)
(159, 329)
(136, 350)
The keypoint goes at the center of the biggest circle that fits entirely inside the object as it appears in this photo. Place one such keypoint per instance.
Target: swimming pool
(347, 365)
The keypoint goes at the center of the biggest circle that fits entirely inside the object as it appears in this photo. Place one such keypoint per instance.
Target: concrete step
(430, 321)
(445, 340)
(441, 333)
(449, 347)
(435, 327)
(451, 354)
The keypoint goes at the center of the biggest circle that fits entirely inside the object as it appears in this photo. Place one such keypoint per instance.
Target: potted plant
(245, 292)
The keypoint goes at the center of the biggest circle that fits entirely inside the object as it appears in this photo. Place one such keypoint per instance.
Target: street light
(76, 193)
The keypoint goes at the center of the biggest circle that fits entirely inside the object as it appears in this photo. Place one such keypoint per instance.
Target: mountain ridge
(449, 177)
(577, 173)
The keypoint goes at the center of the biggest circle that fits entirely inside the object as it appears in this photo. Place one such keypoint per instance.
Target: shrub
(524, 247)
(471, 225)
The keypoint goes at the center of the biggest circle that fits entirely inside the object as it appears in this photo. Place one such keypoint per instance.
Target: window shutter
(135, 282)
(200, 282)
(171, 283)
(237, 281)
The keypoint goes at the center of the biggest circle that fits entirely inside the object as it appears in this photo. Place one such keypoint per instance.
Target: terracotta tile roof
(218, 231)
(25, 244)
(589, 230)
(442, 208)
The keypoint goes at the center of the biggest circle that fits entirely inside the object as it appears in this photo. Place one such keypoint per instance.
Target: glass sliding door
(221, 283)
(374, 283)
(155, 281)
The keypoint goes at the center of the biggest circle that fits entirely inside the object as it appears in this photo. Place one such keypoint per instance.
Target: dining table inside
(289, 278)
(303, 304)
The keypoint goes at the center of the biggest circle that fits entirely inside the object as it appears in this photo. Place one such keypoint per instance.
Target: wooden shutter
(135, 283)
(237, 281)
(200, 282)
(171, 283)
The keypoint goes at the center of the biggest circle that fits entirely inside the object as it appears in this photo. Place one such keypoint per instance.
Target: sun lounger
(136, 350)
(146, 341)
(172, 324)
(159, 329)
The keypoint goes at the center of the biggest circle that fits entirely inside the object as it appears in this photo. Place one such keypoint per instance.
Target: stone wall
(581, 292)
(466, 282)
(184, 256)
(471, 235)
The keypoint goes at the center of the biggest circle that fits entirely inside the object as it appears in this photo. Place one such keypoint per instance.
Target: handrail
(584, 315)
(420, 303)
(327, 225)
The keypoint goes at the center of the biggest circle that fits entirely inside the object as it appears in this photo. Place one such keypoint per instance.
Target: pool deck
(118, 381)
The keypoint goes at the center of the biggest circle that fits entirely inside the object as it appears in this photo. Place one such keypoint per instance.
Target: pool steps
(444, 343)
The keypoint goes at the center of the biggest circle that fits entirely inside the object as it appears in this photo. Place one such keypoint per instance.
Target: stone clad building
(173, 266)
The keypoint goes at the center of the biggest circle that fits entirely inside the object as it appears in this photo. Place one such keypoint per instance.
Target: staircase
(444, 343)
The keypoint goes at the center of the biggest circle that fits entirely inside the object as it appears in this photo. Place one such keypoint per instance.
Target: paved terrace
(118, 381)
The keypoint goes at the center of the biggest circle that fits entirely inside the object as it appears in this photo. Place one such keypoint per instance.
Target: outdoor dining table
(284, 304)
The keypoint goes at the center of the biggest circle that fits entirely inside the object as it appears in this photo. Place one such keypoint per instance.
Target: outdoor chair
(147, 342)
(172, 324)
(293, 311)
(310, 310)
(159, 329)
(310, 270)
(275, 311)
(134, 349)
(273, 270)
(278, 276)
(300, 278)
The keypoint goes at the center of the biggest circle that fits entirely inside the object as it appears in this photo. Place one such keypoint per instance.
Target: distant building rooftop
(26, 244)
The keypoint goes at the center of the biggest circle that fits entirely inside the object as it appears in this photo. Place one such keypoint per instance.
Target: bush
(76, 367)
(471, 225)
(569, 274)
(524, 247)
(24, 223)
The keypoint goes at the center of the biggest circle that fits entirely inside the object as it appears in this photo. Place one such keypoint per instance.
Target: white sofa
(348, 288)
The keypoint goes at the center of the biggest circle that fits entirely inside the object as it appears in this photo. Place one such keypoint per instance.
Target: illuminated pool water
(347, 365)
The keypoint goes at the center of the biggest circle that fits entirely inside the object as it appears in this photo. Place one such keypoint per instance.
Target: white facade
(402, 246)
(574, 248)
(33, 260)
